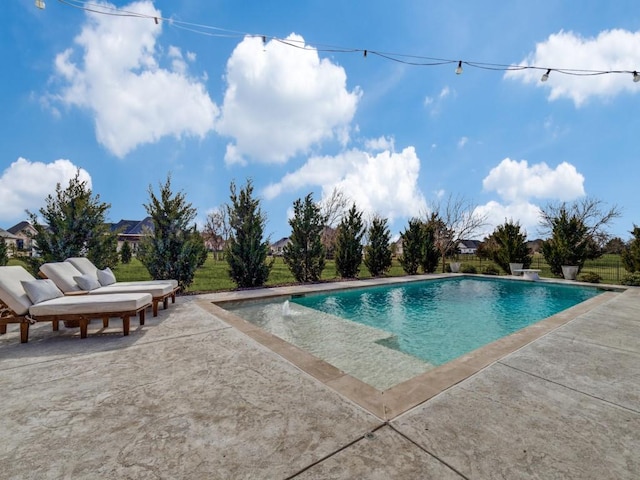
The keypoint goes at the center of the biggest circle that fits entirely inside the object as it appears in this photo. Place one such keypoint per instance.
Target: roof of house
(19, 227)
(132, 227)
(9, 235)
(281, 243)
(470, 243)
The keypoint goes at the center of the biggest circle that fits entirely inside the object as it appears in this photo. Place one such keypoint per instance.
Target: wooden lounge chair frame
(9, 316)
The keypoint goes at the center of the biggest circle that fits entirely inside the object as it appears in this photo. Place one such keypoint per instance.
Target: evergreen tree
(125, 253)
(169, 251)
(631, 252)
(349, 244)
(577, 232)
(569, 244)
(246, 250)
(201, 248)
(508, 244)
(411, 247)
(4, 254)
(429, 252)
(74, 225)
(305, 253)
(377, 254)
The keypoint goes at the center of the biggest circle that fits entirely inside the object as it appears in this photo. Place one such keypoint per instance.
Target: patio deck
(190, 396)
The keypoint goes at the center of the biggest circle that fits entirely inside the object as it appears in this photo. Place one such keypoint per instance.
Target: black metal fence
(608, 267)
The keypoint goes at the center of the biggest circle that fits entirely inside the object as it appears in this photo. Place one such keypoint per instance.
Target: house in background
(24, 232)
(277, 248)
(468, 247)
(132, 231)
(10, 241)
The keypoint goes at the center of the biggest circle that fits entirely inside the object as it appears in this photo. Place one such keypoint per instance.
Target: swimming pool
(387, 334)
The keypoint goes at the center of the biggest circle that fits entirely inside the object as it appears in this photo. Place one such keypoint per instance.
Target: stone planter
(516, 266)
(569, 272)
(455, 267)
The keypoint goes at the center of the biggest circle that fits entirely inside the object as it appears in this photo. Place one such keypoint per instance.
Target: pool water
(385, 335)
(438, 321)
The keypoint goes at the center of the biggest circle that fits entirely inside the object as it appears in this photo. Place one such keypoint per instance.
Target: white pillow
(106, 277)
(41, 290)
(87, 282)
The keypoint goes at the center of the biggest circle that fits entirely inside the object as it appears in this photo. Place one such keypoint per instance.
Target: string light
(416, 60)
(545, 76)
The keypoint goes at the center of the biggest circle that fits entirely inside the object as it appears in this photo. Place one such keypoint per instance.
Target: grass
(213, 276)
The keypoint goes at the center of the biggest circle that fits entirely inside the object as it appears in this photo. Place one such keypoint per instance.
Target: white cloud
(384, 183)
(380, 143)
(24, 185)
(462, 142)
(435, 103)
(611, 50)
(515, 181)
(518, 183)
(527, 214)
(280, 101)
(118, 79)
(444, 93)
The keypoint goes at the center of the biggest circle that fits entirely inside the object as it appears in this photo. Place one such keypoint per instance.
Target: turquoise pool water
(440, 320)
(388, 334)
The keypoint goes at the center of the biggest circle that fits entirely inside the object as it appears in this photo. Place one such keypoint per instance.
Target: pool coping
(404, 396)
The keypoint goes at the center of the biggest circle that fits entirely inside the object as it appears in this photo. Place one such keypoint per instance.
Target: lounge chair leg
(105, 322)
(173, 297)
(55, 325)
(3, 329)
(141, 316)
(83, 327)
(155, 307)
(125, 325)
(165, 303)
(24, 332)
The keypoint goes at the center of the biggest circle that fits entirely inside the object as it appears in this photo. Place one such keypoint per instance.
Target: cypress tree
(168, 251)
(305, 253)
(246, 250)
(349, 244)
(74, 225)
(377, 254)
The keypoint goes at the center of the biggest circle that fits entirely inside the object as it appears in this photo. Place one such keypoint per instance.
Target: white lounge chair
(25, 300)
(86, 266)
(73, 282)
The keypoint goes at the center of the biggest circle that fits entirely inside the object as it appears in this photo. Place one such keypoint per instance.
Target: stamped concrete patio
(196, 394)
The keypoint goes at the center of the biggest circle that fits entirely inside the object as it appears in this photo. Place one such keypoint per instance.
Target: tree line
(73, 223)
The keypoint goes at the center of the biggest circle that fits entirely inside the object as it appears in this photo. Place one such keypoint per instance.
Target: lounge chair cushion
(91, 304)
(62, 274)
(11, 290)
(158, 290)
(40, 291)
(106, 277)
(87, 282)
(84, 265)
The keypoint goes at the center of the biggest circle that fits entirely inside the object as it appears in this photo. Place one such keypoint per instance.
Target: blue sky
(201, 96)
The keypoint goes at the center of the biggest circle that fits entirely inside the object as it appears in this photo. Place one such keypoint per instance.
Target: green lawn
(213, 276)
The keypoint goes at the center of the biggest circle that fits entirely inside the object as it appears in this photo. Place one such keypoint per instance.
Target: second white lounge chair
(73, 282)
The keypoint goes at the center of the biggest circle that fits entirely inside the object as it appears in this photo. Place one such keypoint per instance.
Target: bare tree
(454, 220)
(591, 212)
(332, 208)
(217, 231)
